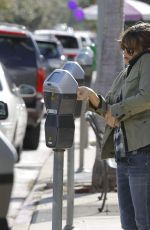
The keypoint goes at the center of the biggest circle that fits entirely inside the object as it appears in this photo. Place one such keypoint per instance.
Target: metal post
(83, 137)
(57, 189)
(70, 190)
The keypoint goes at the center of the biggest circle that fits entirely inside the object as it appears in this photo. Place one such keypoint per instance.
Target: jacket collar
(134, 60)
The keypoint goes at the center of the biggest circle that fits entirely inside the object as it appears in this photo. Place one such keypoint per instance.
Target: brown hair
(136, 37)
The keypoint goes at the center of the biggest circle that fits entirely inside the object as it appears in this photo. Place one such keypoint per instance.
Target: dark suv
(20, 54)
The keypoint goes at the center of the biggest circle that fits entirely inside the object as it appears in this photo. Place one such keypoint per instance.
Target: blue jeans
(133, 181)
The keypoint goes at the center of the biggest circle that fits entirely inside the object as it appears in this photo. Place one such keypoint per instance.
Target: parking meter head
(78, 73)
(60, 90)
(60, 93)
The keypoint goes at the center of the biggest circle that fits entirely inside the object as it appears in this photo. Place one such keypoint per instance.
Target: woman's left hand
(110, 120)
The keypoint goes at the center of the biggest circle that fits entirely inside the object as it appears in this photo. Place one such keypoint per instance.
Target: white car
(14, 126)
(70, 41)
(87, 37)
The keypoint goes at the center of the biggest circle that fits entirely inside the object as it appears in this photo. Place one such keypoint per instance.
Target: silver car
(52, 50)
(14, 126)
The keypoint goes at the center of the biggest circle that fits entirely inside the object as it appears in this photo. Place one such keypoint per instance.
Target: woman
(126, 110)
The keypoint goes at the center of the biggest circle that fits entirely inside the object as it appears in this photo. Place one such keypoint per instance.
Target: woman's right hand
(83, 93)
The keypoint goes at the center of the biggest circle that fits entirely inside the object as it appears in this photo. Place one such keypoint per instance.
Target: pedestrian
(126, 111)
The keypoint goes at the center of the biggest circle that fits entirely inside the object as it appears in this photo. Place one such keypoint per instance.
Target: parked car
(3, 110)
(7, 161)
(52, 50)
(20, 54)
(70, 41)
(87, 37)
(14, 126)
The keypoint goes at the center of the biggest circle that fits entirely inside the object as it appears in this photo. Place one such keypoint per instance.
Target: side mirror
(27, 90)
(3, 110)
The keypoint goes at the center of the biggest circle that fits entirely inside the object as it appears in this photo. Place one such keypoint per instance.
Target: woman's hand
(86, 93)
(83, 93)
(110, 120)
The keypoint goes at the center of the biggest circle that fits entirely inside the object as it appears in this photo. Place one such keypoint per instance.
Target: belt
(142, 150)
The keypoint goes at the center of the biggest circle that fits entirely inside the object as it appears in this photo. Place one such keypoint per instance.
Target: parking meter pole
(57, 189)
(85, 59)
(83, 137)
(70, 189)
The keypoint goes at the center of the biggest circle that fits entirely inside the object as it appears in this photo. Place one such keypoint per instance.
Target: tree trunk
(109, 64)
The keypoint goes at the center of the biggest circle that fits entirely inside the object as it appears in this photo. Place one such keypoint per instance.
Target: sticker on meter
(54, 111)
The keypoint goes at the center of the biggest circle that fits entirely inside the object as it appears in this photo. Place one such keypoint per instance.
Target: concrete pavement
(36, 212)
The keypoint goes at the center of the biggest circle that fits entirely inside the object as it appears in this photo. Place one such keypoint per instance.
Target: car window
(17, 51)
(49, 50)
(67, 41)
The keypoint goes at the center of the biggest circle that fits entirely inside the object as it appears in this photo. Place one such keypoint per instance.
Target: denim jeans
(133, 181)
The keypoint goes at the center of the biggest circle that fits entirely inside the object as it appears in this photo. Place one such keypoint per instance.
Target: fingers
(110, 120)
(82, 93)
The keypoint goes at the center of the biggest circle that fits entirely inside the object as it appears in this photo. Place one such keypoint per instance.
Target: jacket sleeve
(102, 107)
(139, 102)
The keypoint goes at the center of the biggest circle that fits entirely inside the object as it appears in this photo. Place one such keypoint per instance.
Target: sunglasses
(129, 51)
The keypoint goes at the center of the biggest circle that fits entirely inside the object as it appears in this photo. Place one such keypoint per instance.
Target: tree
(109, 60)
(34, 13)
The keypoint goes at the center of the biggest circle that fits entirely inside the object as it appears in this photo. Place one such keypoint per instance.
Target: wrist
(94, 99)
(91, 93)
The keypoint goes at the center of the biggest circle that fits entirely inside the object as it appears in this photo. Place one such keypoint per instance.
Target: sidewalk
(36, 213)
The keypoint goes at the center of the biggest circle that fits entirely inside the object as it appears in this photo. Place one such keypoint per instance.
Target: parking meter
(60, 97)
(75, 69)
(85, 59)
(60, 93)
(80, 78)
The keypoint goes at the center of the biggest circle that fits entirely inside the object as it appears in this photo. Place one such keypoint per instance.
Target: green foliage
(36, 14)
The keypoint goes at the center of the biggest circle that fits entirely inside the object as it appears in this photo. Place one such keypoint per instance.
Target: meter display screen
(54, 77)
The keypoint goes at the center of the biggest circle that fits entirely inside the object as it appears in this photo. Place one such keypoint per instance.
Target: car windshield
(68, 41)
(17, 51)
(49, 49)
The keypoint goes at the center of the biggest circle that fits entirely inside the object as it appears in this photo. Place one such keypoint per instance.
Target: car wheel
(32, 137)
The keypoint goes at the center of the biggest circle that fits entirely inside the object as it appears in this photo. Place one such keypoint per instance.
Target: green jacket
(133, 110)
